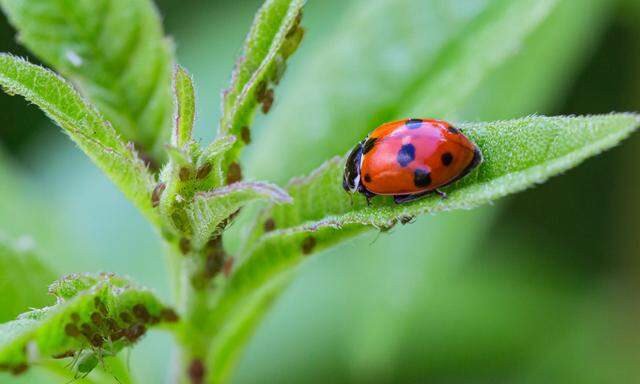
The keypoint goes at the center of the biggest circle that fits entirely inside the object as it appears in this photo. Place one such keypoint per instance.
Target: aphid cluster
(215, 261)
(102, 329)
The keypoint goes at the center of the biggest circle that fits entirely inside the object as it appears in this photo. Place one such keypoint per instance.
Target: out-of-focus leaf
(23, 278)
(101, 313)
(274, 36)
(114, 50)
(389, 60)
(86, 127)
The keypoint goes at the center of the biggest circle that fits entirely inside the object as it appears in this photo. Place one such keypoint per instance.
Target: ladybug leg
(441, 194)
(367, 194)
(399, 199)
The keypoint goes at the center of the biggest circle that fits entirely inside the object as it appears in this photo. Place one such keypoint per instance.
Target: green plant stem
(192, 336)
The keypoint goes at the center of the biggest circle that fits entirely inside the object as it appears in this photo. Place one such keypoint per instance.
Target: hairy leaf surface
(274, 36)
(94, 312)
(86, 127)
(113, 50)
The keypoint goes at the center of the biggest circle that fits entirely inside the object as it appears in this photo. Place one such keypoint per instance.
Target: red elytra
(410, 158)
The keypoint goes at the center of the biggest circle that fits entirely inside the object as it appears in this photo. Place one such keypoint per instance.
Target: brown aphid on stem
(141, 312)
(96, 319)
(185, 246)
(204, 171)
(245, 135)
(267, 102)
(196, 371)
(269, 225)
(184, 174)
(234, 173)
(308, 245)
(71, 330)
(157, 193)
(19, 369)
(169, 315)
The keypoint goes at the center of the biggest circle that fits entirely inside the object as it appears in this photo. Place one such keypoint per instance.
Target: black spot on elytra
(413, 123)
(406, 154)
(421, 177)
(369, 144)
(453, 130)
(367, 178)
(447, 158)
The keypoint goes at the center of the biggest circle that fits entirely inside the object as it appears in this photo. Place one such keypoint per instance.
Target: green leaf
(86, 127)
(274, 36)
(23, 278)
(518, 154)
(210, 209)
(391, 59)
(113, 50)
(99, 313)
(185, 95)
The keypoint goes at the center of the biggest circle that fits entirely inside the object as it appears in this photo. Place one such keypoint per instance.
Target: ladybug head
(351, 177)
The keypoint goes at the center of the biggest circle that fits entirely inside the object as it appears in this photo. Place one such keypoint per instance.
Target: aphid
(157, 193)
(185, 246)
(227, 267)
(245, 135)
(408, 159)
(269, 225)
(234, 173)
(141, 312)
(203, 171)
(169, 315)
(96, 319)
(196, 371)
(184, 173)
(71, 330)
(86, 363)
(308, 245)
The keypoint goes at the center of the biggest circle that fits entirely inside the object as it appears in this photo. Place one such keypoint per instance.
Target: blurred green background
(541, 287)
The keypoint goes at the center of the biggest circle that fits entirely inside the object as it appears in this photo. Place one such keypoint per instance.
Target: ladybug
(408, 159)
